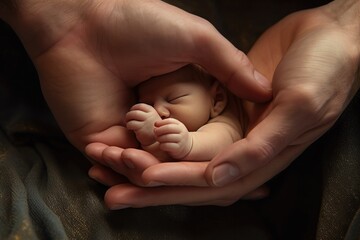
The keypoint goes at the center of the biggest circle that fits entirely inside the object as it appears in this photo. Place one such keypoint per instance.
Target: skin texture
(312, 58)
(184, 115)
(89, 54)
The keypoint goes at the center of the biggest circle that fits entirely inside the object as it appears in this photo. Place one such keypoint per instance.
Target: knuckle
(261, 154)
(243, 59)
(306, 101)
(137, 106)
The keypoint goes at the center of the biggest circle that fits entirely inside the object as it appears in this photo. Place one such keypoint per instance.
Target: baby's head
(188, 94)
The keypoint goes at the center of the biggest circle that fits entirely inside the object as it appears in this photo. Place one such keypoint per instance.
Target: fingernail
(264, 82)
(224, 174)
(119, 207)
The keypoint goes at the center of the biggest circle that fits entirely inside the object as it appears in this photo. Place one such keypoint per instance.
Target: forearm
(205, 144)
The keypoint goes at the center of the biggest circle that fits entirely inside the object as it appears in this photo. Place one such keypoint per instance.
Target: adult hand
(315, 73)
(89, 54)
(312, 58)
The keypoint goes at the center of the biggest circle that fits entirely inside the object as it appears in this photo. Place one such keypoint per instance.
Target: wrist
(346, 13)
(185, 153)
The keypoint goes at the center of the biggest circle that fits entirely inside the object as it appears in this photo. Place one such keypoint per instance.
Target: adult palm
(312, 58)
(91, 53)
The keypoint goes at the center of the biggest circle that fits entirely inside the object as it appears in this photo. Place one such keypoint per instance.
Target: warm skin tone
(184, 115)
(312, 58)
(88, 59)
(89, 54)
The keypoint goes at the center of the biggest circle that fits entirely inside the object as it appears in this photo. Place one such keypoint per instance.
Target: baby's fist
(173, 137)
(141, 119)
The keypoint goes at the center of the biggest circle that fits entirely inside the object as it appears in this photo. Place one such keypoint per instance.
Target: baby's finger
(167, 121)
(134, 125)
(169, 138)
(166, 129)
(142, 107)
(136, 115)
(169, 147)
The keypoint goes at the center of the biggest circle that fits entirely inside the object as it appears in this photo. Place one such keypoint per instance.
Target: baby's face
(178, 95)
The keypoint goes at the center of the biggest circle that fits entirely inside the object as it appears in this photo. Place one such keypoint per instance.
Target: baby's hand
(173, 137)
(141, 119)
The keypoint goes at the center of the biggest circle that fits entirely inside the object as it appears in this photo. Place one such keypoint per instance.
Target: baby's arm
(210, 139)
(201, 145)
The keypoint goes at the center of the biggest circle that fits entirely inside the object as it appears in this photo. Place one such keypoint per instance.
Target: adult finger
(94, 151)
(128, 195)
(231, 66)
(176, 174)
(152, 172)
(106, 175)
(257, 194)
(270, 137)
(129, 162)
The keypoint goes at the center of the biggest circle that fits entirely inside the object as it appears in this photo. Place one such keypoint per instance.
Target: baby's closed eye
(177, 98)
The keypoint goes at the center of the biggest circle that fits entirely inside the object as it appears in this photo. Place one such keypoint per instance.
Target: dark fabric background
(45, 192)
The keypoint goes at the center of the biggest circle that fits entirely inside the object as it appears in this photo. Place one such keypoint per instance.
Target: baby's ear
(219, 99)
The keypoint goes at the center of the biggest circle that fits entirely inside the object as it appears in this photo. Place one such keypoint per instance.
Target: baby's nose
(162, 111)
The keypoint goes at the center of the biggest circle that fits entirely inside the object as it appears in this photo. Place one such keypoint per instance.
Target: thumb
(277, 136)
(231, 66)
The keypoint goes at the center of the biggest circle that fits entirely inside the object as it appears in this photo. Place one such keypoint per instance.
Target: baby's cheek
(193, 117)
(195, 122)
